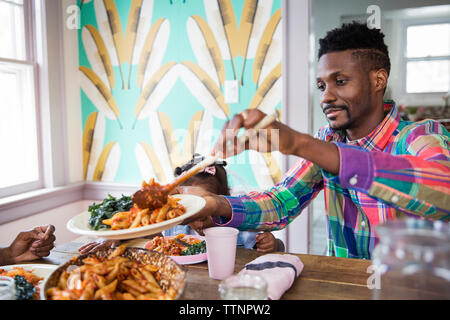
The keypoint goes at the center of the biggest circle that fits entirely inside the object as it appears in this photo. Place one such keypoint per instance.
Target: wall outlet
(231, 88)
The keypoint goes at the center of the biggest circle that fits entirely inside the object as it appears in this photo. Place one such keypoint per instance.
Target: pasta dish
(137, 217)
(114, 277)
(171, 247)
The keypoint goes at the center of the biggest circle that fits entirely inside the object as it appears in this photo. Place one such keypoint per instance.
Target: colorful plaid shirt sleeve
(416, 179)
(277, 207)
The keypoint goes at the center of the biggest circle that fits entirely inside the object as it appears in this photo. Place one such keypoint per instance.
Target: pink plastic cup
(221, 249)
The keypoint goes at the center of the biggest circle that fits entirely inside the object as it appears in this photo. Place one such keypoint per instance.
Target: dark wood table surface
(322, 278)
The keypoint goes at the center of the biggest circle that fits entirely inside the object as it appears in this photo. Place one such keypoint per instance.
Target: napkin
(279, 270)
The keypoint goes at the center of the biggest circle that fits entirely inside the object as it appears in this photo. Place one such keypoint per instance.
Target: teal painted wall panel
(180, 104)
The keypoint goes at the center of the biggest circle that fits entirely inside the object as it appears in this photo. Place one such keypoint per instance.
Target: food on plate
(27, 283)
(106, 209)
(137, 217)
(122, 213)
(113, 277)
(197, 248)
(151, 196)
(170, 246)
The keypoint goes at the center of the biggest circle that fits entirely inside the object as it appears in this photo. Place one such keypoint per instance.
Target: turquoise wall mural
(152, 75)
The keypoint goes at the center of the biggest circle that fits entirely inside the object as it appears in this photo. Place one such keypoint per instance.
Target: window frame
(30, 60)
(49, 51)
(419, 22)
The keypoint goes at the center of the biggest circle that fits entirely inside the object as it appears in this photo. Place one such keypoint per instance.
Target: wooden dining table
(322, 278)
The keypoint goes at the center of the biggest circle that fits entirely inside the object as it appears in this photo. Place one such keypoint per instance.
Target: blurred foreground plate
(40, 270)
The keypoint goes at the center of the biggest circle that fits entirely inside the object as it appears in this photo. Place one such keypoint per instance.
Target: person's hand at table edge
(29, 245)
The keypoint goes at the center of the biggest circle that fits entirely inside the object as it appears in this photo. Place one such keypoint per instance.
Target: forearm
(323, 154)
(222, 207)
(5, 257)
(275, 208)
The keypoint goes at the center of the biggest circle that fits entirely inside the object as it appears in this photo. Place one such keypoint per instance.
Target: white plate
(80, 223)
(40, 270)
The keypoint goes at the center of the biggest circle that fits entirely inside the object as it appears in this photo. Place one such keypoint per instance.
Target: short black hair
(368, 43)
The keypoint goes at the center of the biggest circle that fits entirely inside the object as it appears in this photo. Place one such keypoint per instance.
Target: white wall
(296, 98)
(57, 217)
(72, 93)
(51, 92)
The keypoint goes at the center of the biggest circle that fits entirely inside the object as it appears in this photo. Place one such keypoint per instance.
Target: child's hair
(215, 176)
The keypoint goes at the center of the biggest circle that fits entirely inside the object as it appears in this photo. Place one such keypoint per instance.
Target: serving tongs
(153, 195)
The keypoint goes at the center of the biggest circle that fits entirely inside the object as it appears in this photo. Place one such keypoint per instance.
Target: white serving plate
(80, 225)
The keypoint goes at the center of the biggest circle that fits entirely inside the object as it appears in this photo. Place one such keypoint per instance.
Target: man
(372, 166)
(29, 245)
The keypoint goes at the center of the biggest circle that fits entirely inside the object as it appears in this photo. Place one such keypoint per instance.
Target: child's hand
(99, 245)
(265, 242)
(198, 226)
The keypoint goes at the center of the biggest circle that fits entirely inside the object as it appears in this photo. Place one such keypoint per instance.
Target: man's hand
(32, 245)
(275, 137)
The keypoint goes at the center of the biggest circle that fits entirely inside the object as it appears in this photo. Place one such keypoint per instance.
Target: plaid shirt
(400, 169)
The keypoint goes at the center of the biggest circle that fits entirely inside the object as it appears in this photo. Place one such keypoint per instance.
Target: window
(19, 161)
(427, 57)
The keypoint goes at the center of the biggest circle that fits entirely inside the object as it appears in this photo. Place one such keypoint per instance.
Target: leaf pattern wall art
(152, 77)
(152, 51)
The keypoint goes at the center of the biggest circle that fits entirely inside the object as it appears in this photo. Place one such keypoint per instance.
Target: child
(214, 179)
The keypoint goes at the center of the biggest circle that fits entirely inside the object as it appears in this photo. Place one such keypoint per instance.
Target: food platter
(80, 223)
(170, 276)
(190, 259)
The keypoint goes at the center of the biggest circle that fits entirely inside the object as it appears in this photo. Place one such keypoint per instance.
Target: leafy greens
(24, 289)
(197, 248)
(105, 210)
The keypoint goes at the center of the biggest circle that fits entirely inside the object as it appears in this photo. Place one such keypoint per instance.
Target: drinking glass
(243, 287)
(412, 260)
(221, 250)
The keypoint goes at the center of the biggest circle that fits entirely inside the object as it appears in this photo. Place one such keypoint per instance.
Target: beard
(346, 124)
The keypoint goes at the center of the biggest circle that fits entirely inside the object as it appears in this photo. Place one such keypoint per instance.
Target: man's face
(345, 91)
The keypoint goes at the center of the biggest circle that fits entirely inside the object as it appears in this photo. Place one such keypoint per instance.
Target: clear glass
(428, 40)
(428, 76)
(412, 260)
(7, 288)
(12, 30)
(243, 287)
(18, 132)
